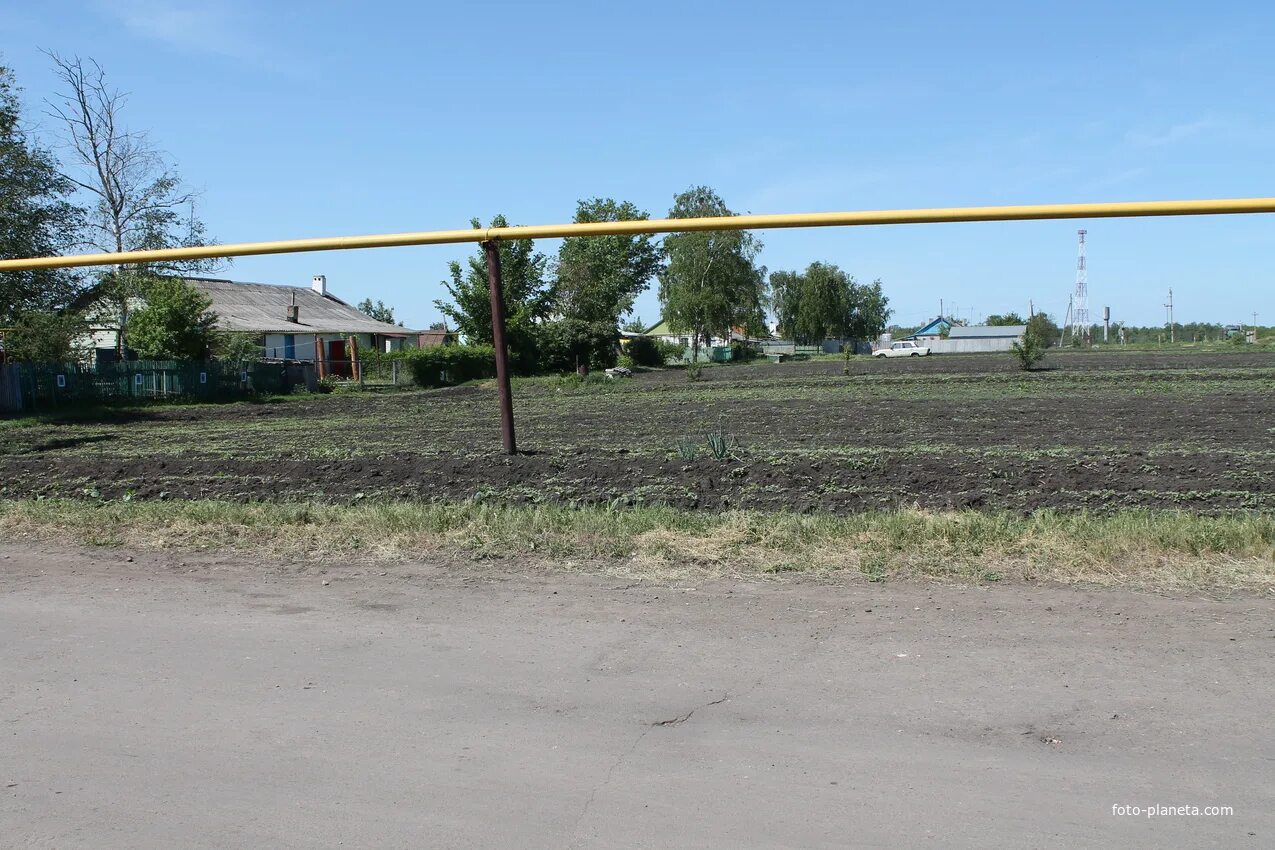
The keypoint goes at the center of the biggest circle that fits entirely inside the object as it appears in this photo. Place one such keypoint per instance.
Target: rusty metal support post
(496, 289)
(319, 365)
(356, 368)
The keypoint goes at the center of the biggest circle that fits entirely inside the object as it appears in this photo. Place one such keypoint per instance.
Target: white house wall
(303, 344)
(970, 345)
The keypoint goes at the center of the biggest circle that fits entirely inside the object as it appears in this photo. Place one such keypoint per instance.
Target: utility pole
(495, 286)
(1168, 307)
(1106, 323)
(1062, 334)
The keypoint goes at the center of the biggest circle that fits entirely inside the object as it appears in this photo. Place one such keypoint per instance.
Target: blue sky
(313, 119)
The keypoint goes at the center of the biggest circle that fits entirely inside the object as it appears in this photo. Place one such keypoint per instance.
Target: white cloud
(213, 27)
(1171, 135)
(203, 27)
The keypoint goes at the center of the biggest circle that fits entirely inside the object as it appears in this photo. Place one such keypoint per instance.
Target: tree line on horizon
(709, 285)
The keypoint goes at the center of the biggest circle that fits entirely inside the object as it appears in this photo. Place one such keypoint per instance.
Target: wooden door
(338, 360)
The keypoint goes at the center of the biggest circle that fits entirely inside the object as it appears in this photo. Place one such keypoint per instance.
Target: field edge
(1159, 551)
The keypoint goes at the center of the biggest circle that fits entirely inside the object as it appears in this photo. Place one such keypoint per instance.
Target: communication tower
(1080, 300)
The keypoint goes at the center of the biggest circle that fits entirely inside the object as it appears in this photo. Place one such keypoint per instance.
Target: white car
(903, 349)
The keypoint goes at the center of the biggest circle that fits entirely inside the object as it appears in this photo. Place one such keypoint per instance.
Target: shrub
(238, 347)
(742, 352)
(645, 351)
(442, 365)
(567, 344)
(1030, 350)
(175, 324)
(670, 351)
(648, 351)
(46, 338)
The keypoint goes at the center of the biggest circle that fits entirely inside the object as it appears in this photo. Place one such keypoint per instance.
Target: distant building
(431, 338)
(970, 339)
(715, 348)
(937, 329)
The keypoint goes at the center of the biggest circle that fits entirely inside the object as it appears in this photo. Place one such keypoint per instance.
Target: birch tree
(136, 199)
(711, 283)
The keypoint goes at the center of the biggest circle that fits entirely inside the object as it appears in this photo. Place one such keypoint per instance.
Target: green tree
(869, 310)
(46, 337)
(785, 298)
(36, 217)
(175, 324)
(824, 302)
(378, 311)
(1045, 329)
(522, 272)
(711, 282)
(635, 325)
(597, 278)
(1004, 320)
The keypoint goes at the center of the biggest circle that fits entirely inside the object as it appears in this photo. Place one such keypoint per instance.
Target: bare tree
(137, 201)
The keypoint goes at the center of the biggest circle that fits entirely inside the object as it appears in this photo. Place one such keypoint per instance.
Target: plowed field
(1098, 431)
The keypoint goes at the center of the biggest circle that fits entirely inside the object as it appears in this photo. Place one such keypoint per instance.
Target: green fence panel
(47, 386)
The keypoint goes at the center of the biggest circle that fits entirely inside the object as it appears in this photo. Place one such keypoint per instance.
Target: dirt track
(1099, 431)
(203, 703)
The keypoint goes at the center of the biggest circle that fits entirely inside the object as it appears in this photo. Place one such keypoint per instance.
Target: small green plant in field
(693, 371)
(720, 444)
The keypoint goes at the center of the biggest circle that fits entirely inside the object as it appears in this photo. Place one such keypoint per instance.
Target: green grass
(1165, 551)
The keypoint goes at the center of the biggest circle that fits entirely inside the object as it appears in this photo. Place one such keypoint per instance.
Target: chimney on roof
(320, 284)
(294, 312)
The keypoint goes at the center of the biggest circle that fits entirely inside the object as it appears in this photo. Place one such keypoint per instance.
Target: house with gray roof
(290, 322)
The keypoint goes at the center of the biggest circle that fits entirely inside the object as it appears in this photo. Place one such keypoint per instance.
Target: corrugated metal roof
(986, 331)
(263, 308)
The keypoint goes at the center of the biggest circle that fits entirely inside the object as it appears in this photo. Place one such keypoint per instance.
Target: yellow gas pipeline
(1123, 209)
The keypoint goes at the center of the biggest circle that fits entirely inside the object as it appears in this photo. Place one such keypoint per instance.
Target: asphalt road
(167, 702)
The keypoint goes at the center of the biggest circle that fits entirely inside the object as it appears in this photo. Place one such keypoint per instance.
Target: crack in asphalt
(593, 792)
(620, 759)
(682, 718)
